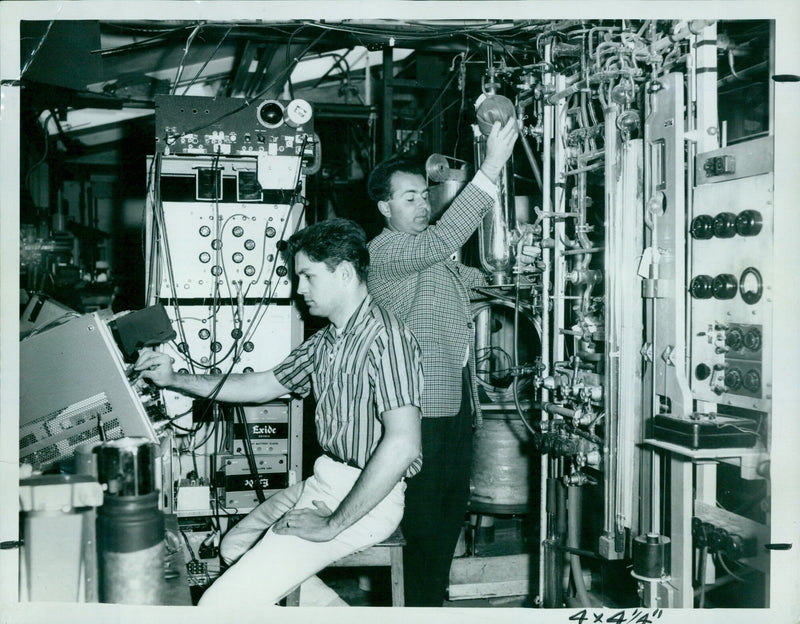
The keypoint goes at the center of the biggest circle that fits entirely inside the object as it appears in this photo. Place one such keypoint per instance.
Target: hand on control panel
(155, 366)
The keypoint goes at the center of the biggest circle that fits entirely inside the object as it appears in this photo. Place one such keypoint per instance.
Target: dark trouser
(436, 503)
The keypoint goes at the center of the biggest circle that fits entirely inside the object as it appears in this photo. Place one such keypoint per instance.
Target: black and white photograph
(480, 311)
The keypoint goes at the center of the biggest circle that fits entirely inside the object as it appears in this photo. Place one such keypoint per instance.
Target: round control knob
(216, 270)
(752, 381)
(249, 270)
(183, 347)
(718, 539)
(216, 244)
(733, 378)
(748, 223)
(204, 334)
(215, 370)
(281, 245)
(238, 257)
(752, 339)
(270, 232)
(725, 225)
(734, 339)
(725, 286)
(236, 333)
(247, 369)
(238, 231)
(216, 347)
(205, 257)
(281, 271)
(702, 371)
(270, 113)
(702, 227)
(205, 231)
(702, 287)
(249, 244)
(248, 346)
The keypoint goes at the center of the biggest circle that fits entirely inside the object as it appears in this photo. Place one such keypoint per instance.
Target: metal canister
(130, 526)
(651, 556)
(503, 465)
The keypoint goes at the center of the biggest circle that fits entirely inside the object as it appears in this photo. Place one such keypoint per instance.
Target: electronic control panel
(227, 250)
(228, 338)
(732, 276)
(204, 125)
(278, 133)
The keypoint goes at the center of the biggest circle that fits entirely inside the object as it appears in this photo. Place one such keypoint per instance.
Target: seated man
(365, 371)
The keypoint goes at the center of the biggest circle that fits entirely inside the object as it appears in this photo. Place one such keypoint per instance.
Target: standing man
(365, 372)
(412, 274)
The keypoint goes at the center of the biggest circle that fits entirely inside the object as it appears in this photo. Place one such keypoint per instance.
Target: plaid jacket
(414, 277)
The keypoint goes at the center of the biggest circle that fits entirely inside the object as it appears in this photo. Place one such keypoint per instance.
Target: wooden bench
(388, 553)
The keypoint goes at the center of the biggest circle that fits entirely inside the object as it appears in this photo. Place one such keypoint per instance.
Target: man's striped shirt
(373, 365)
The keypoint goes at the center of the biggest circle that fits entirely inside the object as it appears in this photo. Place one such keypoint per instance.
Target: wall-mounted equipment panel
(227, 250)
(278, 132)
(732, 278)
(229, 338)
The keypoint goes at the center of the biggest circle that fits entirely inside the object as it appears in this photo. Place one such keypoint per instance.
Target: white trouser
(269, 566)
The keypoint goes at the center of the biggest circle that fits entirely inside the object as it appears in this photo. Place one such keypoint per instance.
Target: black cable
(248, 451)
(188, 546)
(208, 60)
(169, 139)
(430, 109)
(36, 49)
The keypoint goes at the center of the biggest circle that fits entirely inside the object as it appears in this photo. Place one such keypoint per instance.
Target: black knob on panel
(725, 286)
(725, 225)
(752, 381)
(702, 371)
(733, 378)
(734, 339)
(748, 223)
(752, 339)
(702, 287)
(702, 227)
(281, 271)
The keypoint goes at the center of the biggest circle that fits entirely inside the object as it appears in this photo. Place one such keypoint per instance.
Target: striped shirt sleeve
(294, 373)
(399, 379)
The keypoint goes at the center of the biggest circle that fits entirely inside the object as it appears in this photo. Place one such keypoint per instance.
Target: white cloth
(268, 566)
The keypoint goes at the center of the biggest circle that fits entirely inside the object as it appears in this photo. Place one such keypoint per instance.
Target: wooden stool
(389, 553)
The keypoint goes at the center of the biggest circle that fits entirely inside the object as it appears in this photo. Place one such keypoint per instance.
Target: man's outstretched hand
(499, 147)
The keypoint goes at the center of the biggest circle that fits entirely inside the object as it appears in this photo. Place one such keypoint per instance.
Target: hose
(574, 504)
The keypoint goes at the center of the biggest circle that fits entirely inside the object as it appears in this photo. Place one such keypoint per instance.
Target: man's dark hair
(332, 241)
(379, 185)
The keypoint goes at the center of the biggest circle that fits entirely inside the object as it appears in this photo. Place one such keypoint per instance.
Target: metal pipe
(545, 342)
(532, 160)
(612, 363)
(388, 122)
